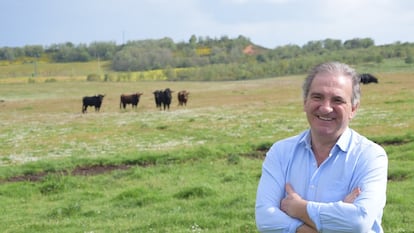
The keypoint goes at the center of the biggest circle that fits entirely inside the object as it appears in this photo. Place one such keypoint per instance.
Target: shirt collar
(343, 141)
(306, 139)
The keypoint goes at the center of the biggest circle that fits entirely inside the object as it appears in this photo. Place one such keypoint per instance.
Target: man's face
(328, 105)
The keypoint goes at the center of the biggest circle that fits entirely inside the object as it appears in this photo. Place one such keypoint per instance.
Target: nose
(325, 107)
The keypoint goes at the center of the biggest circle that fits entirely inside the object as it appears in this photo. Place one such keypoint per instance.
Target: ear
(354, 111)
(304, 105)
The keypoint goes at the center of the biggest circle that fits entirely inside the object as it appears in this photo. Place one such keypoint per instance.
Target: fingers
(356, 191)
(350, 198)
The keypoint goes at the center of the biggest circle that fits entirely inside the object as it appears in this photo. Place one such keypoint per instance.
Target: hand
(306, 229)
(293, 204)
(350, 198)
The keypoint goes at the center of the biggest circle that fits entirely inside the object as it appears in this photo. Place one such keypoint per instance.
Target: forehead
(335, 84)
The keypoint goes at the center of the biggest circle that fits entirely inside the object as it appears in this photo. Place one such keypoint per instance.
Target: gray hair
(335, 68)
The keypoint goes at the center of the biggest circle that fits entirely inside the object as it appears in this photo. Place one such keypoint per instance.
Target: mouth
(325, 118)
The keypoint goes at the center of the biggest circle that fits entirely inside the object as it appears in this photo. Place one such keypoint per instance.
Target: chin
(324, 132)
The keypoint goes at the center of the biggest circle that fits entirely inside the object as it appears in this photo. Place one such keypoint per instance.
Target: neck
(321, 149)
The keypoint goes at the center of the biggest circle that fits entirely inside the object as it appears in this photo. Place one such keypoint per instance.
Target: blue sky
(269, 23)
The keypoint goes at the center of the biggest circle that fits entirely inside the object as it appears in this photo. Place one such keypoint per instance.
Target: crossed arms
(281, 206)
(294, 206)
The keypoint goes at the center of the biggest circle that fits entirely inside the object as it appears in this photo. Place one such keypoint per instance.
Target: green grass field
(189, 169)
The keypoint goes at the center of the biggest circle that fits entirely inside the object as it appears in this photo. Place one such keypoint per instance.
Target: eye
(316, 97)
(339, 101)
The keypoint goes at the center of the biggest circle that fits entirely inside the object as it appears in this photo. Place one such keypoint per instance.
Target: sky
(268, 23)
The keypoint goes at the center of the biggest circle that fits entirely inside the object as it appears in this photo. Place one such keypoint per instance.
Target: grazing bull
(132, 99)
(157, 98)
(95, 101)
(368, 78)
(182, 97)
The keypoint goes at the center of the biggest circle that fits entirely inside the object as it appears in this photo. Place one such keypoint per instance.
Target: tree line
(205, 58)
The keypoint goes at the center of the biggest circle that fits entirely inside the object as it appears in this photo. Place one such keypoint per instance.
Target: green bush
(109, 78)
(93, 77)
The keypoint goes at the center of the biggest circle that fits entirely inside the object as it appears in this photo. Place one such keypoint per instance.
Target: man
(329, 178)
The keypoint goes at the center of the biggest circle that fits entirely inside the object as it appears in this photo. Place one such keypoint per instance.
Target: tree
(313, 46)
(193, 41)
(409, 58)
(332, 45)
(358, 43)
(69, 53)
(33, 50)
(7, 53)
(102, 50)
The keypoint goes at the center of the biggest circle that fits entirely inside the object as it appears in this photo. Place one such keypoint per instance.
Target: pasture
(189, 169)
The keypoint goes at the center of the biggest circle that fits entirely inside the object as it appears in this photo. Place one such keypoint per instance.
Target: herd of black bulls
(162, 100)
(163, 97)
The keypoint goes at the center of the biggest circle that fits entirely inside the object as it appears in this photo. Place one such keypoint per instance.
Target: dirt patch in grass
(97, 169)
(88, 170)
(27, 177)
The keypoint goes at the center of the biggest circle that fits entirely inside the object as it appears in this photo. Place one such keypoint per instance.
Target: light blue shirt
(354, 162)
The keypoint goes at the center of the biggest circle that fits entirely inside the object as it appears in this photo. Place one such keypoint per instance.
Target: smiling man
(329, 178)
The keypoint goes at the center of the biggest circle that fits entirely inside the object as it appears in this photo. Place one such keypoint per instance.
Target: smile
(325, 118)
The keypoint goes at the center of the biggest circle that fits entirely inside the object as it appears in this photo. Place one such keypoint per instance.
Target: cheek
(309, 108)
(306, 106)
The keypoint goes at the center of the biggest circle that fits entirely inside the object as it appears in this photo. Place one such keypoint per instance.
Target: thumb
(289, 188)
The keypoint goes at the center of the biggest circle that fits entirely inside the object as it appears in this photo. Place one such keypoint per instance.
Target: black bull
(95, 101)
(157, 98)
(132, 99)
(368, 78)
(163, 98)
